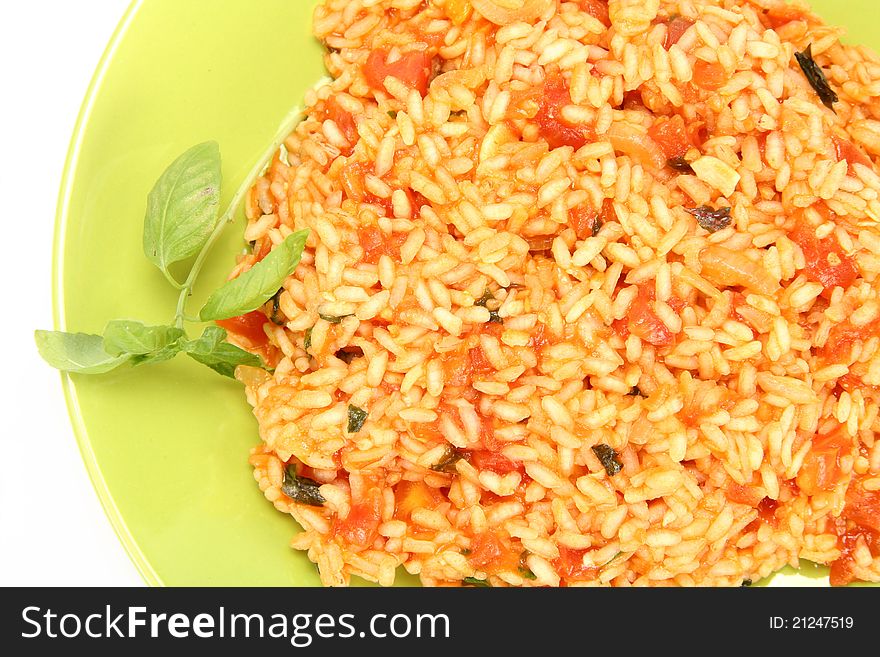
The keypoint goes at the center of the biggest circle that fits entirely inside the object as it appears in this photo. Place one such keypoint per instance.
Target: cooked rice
(736, 385)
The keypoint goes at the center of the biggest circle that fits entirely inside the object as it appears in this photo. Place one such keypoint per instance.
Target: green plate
(167, 446)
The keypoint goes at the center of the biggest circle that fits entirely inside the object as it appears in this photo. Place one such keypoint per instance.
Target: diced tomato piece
(376, 243)
(709, 76)
(598, 9)
(675, 28)
(583, 221)
(412, 495)
(570, 565)
(343, 120)
(842, 570)
(860, 521)
(487, 551)
(821, 468)
(644, 322)
(846, 150)
(778, 16)
(462, 367)
(483, 459)
(671, 135)
(607, 214)
(767, 511)
(413, 69)
(248, 326)
(838, 347)
(826, 261)
(862, 506)
(748, 495)
(552, 127)
(351, 177)
(361, 526)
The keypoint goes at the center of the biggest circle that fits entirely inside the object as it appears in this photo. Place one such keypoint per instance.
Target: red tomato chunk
(361, 526)
(553, 128)
(413, 69)
(821, 468)
(671, 135)
(846, 150)
(376, 243)
(826, 261)
(249, 327)
(709, 76)
(643, 321)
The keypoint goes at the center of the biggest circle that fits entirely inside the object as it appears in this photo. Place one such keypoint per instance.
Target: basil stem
(232, 209)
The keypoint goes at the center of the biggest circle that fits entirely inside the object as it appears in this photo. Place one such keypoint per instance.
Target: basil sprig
(182, 221)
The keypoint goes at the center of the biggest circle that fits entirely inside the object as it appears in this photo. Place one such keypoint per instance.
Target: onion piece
(634, 141)
(470, 78)
(723, 266)
(506, 12)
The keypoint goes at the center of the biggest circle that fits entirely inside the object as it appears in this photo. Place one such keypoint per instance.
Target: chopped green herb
(679, 164)
(636, 392)
(494, 317)
(466, 552)
(710, 219)
(356, 418)
(301, 489)
(523, 568)
(392, 114)
(596, 227)
(450, 458)
(277, 317)
(332, 319)
(485, 299)
(746, 582)
(348, 354)
(473, 581)
(607, 455)
(307, 339)
(816, 77)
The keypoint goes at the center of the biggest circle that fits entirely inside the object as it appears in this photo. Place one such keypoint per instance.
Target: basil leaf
(301, 489)
(211, 349)
(259, 283)
(157, 343)
(447, 462)
(356, 418)
(607, 455)
(333, 319)
(76, 352)
(182, 206)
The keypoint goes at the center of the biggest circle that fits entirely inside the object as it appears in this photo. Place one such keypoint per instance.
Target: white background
(53, 530)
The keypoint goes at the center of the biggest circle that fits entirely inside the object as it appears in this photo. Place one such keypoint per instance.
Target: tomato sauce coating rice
(590, 295)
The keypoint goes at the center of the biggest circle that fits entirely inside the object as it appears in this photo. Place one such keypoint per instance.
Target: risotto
(590, 296)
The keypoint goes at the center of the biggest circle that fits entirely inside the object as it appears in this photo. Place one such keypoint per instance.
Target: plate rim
(62, 217)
